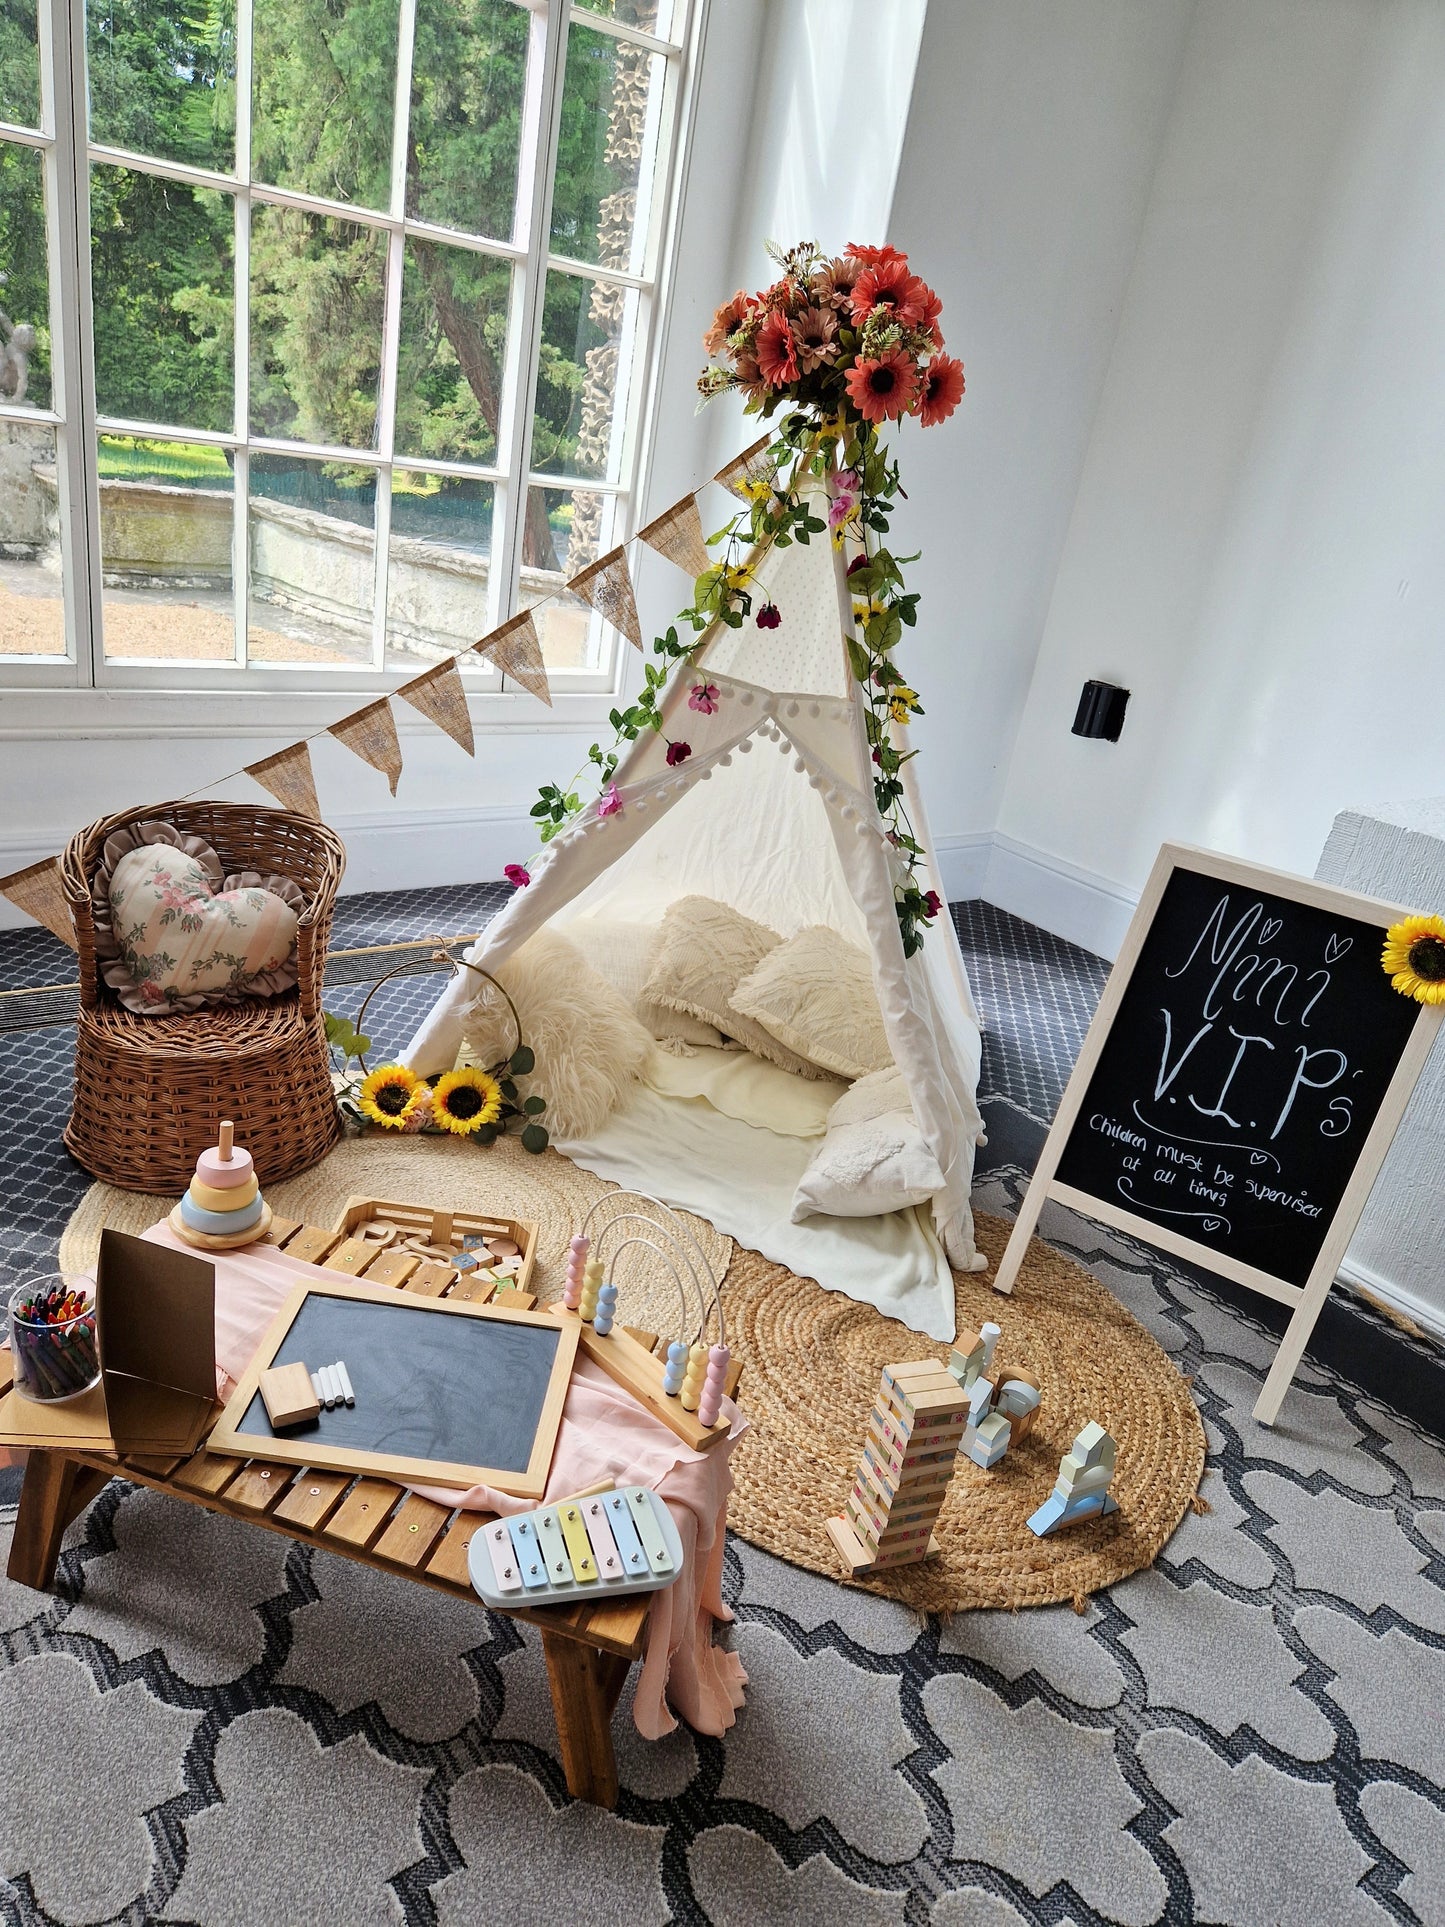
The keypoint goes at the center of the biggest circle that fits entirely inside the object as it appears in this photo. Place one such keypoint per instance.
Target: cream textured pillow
(588, 1045)
(624, 953)
(703, 953)
(873, 1158)
(815, 995)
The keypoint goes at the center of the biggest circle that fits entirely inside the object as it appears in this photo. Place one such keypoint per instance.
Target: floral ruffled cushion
(174, 932)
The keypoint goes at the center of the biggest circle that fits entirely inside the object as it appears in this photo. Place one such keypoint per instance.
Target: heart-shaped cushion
(179, 941)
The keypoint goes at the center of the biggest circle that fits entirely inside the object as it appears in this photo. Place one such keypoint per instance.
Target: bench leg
(55, 1491)
(585, 1687)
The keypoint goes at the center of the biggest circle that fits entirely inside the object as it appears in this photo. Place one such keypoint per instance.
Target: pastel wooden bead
(692, 1382)
(213, 1197)
(591, 1285)
(224, 1174)
(606, 1307)
(220, 1224)
(718, 1360)
(675, 1369)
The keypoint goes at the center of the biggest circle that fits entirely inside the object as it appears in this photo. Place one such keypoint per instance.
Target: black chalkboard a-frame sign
(1244, 1074)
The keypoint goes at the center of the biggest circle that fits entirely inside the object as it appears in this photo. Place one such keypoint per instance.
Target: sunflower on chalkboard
(1414, 958)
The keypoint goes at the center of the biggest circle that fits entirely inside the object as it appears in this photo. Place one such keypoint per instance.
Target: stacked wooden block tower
(914, 1429)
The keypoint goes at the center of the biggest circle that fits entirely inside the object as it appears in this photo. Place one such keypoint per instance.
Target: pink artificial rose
(845, 498)
(517, 876)
(609, 802)
(678, 753)
(704, 697)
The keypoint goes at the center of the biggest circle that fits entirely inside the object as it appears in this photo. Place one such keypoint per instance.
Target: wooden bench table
(588, 1648)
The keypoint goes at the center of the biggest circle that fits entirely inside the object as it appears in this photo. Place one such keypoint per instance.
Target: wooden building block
(288, 1395)
(473, 1288)
(508, 1298)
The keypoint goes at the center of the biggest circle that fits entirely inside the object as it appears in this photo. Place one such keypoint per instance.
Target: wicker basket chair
(150, 1091)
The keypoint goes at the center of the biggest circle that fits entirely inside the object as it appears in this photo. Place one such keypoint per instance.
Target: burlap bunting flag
(607, 585)
(287, 775)
(370, 733)
(39, 893)
(442, 698)
(515, 650)
(677, 534)
(753, 465)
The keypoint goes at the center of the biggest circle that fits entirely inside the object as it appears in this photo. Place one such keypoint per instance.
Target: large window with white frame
(324, 329)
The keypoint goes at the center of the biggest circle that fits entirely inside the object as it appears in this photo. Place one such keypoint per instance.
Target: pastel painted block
(1093, 1446)
(989, 1334)
(1017, 1398)
(1075, 1485)
(966, 1360)
(980, 1399)
(1055, 1513)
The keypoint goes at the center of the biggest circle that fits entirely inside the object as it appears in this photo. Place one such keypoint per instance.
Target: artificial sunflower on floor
(465, 1101)
(391, 1096)
(1414, 958)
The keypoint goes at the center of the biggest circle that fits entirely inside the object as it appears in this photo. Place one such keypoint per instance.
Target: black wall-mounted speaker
(1101, 711)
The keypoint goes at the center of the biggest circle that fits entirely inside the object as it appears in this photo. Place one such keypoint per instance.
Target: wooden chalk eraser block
(288, 1395)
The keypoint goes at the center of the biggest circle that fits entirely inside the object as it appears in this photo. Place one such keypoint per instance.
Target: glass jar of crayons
(52, 1336)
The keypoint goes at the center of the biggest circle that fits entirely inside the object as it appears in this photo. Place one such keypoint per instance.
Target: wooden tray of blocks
(341, 1249)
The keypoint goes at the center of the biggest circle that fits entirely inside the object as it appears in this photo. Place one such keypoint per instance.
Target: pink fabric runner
(604, 1434)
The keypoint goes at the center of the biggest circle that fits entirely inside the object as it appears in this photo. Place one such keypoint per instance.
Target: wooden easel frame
(1308, 1299)
(308, 1450)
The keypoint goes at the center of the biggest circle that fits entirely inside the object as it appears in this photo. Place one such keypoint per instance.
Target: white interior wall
(1255, 545)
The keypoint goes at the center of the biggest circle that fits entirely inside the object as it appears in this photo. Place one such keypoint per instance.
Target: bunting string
(439, 694)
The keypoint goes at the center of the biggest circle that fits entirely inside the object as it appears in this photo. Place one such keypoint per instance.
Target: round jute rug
(811, 1363)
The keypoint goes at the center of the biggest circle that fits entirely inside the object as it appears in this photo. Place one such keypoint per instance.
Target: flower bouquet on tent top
(833, 353)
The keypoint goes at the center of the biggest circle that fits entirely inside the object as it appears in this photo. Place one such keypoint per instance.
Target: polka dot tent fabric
(811, 1363)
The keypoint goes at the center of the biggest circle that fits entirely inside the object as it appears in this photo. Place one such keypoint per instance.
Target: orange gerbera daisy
(891, 286)
(726, 322)
(815, 333)
(875, 257)
(883, 389)
(942, 390)
(930, 308)
(777, 354)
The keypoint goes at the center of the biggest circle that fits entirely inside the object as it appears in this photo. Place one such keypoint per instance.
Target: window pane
(317, 296)
(579, 527)
(166, 511)
(589, 332)
(312, 555)
(652, 16)
(437, 567)
(163, 79)
(19, 64)
(605, 150)
(468, 71)
(24, 279)
(323, 97)
(32, 619)
(453, 345)
(164, 294)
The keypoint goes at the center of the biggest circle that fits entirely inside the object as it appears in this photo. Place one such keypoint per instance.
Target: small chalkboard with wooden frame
(1246, 1069)
(446, 1393)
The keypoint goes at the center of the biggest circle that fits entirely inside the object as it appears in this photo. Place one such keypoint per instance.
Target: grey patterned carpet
(206, 1724)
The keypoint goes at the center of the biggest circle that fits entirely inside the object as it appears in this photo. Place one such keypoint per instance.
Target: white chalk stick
(345, 1376)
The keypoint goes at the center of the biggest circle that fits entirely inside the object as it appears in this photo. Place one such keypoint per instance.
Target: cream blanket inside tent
(774, 813)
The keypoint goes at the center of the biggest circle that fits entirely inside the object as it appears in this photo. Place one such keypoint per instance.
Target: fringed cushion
(174, 932)
(815, 995)
(705, 951)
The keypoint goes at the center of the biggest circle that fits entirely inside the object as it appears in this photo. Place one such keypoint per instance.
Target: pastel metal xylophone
(604, 1542)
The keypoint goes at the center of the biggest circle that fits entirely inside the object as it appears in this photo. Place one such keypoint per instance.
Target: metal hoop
(710, 1294)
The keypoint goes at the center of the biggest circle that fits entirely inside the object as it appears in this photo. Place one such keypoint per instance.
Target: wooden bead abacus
(686, 1389)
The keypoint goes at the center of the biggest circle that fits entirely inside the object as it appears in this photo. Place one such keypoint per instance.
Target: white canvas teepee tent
(774, 813)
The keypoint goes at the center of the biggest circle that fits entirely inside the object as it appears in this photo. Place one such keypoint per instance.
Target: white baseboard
(962, 864)
(1428, 1314)
(1077, 904)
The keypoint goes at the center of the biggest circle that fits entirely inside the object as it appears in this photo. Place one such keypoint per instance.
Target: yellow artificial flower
(390, 1096)
(863, 610)
(902, 701)
(737, 576)
(463, 1101)
(756, 491)
(1414, 958)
